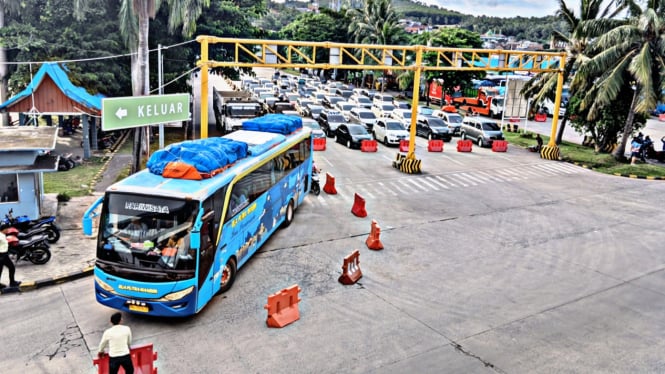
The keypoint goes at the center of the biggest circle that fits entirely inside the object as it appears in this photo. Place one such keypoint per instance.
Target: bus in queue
(166, 245)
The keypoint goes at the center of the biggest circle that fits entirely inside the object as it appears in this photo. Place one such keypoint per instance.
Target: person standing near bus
(118, 338)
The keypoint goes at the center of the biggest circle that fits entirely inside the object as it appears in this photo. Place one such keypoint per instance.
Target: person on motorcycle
(6, 261)
(315, 170)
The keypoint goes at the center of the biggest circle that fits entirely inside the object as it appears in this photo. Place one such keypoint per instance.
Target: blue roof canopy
(59, 76)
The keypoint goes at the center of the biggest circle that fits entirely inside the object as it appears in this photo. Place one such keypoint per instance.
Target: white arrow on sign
(120, 113)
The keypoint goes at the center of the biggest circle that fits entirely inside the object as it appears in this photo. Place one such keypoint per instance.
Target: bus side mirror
(89, 215)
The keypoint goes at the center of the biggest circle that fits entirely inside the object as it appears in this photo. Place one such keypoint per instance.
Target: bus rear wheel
(228, 275)
(288, 216)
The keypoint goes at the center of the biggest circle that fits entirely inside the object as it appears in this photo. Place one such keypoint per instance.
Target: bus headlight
(177, 295)
(105, 286)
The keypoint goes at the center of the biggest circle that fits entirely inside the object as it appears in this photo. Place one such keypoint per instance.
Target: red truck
(483, 104)
(436, 95)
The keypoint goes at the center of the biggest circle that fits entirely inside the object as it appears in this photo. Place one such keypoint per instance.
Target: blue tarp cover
(275, 123)
(206, 155)
(59, 77)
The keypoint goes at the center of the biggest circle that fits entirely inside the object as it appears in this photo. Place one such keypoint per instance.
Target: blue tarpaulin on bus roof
(206, 155)
(275, 123)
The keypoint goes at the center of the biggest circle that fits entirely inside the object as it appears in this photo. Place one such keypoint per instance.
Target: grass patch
(74, 182)
(587, 156)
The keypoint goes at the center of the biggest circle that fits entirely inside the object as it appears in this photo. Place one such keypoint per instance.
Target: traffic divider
(435, 145)
(319, 144)
(661, 117)
(373, 241)
(358, 208)
(403, 145)
(143, 358)
(329, 187)
(351, 269)
(464, 145)
(368, 146)
(499, 146)
(282, 307)
(540, 117)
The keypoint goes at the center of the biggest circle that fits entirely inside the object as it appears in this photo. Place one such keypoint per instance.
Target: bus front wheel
(288, 217)
(228, 275)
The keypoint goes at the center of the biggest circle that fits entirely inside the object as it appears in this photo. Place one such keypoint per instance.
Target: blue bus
(166, 246)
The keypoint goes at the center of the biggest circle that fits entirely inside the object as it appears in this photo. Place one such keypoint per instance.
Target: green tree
(376, 23)
(543, 86)
(451, 38)
(7, 7)
(626, 53)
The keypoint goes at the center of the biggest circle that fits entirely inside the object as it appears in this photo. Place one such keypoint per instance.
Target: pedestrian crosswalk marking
(412, 185)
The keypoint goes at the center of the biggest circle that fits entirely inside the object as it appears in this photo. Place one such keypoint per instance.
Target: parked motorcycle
(316, 187)
(34, 249)
(25, 224)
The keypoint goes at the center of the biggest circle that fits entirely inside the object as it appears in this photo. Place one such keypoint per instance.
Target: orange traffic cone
(373, 241)
(329, 187)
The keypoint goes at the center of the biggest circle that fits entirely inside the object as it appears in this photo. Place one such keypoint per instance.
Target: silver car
(481, 130)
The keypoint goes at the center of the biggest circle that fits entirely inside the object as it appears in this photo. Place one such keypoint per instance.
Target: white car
(403, 116)
(382, 109)
(361, 101)
(452, 120)
(389, 131)
(363, 116)
(345, 107)
(317, 132)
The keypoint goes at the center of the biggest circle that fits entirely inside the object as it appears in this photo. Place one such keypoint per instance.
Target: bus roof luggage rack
(276, 123)
(196, 159)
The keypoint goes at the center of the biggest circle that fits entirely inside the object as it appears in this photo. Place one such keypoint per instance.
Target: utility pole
(160, 80)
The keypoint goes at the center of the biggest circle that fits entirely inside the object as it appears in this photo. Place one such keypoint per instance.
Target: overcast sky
(504, 8)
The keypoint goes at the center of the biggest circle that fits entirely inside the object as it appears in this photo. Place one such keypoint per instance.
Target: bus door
(206, 257)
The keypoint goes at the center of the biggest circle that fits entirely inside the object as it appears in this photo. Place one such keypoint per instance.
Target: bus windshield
(147, 237)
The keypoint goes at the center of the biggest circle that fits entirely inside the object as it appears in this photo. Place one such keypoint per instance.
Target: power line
(93, 58)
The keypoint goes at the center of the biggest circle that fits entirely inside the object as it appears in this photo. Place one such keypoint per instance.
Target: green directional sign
(135, 111)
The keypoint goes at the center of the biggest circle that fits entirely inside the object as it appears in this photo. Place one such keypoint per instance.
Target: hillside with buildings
(518, 33)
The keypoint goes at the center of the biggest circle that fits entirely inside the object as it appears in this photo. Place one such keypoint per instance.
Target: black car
(329, 120)
(433, 128)
(351, 135)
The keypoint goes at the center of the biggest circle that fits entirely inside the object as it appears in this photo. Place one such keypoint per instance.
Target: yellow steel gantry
(300, 54)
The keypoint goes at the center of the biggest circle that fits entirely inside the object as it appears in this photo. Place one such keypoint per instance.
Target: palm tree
(628, 52)
(576, 40)
(138, 12)
(376, 23)
(7, 7)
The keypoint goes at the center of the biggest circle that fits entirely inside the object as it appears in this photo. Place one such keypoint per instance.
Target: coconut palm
(626, 52)
(376, 23)
(544, 85)
(134, 26)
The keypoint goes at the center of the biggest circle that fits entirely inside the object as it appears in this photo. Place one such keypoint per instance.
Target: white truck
(232, 108)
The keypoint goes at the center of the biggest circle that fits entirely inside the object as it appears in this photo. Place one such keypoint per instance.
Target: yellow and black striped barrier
(550, 153)
(407, 165)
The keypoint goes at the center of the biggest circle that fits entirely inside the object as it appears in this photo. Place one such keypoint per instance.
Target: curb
(632, 176)
(62, 278)
(109, 157)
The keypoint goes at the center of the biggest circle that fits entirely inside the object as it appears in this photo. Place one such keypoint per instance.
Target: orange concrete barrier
(403, 145)
(368, 146)
(540, 117)
(499, 146)
(143, 358)
(464, 146)
(661, 117)
(283, 307)
(319, 144)
(373, 241)
(329, 187)
(435, 145)
(358, 208)
(351, 269)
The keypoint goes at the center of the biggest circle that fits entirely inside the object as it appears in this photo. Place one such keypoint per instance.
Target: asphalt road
(493, 262)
